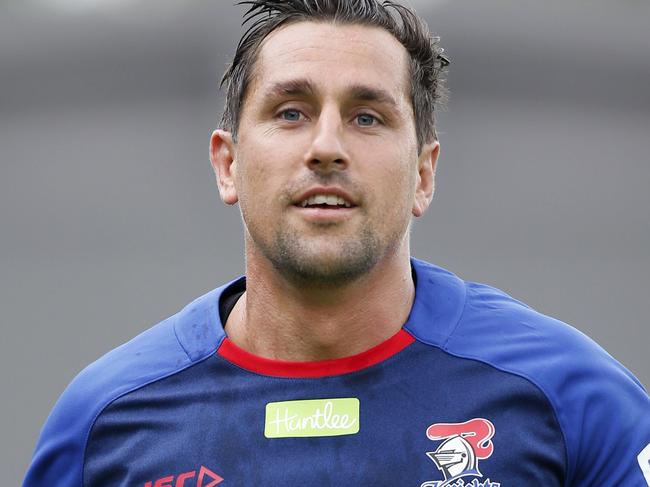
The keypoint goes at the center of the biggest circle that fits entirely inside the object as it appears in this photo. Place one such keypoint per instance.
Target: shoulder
(596, 400)
(165, 349)
(482, 322)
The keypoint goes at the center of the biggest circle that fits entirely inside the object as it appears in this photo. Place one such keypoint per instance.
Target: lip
(333, 190)
(324, 215)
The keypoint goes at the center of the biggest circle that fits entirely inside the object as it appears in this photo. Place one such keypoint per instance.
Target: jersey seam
(460, 317)
(180, 343)
(542, 390)
(129, 391)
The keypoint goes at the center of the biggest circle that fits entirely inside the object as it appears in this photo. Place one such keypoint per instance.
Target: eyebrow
(357, 92)
(368, 93)
(299, 87)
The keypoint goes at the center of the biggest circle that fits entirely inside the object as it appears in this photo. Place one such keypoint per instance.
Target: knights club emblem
(462, 446)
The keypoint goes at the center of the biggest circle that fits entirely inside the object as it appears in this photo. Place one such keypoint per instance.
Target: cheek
(392, 194)
(399, 181)
(262, 176)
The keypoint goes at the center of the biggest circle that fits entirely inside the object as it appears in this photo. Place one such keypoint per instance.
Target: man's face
(326, 167)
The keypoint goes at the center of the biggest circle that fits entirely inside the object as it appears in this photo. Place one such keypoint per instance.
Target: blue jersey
(476, 389)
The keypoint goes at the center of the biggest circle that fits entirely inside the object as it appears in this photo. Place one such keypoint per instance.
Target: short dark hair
(427, 64)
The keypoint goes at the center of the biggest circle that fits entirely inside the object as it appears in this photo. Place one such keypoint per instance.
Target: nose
(327, 150)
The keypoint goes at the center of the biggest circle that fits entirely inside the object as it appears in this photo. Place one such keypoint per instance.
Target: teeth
(325, 199)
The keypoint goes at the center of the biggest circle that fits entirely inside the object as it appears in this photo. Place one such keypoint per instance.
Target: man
(339, 359)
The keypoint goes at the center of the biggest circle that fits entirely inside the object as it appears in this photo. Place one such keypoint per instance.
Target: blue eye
(290, 115)
(366, 120)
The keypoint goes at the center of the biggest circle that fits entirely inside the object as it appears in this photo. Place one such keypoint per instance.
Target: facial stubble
(292, 255)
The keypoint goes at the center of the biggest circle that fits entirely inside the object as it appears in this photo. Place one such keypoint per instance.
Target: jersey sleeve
(602, 409)
(59, 455)
(605, 415)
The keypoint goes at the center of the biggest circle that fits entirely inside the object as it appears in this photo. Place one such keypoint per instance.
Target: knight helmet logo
(458, 455)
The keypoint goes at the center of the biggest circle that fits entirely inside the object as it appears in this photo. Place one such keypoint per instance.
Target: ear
(425, 181)
(222, 158)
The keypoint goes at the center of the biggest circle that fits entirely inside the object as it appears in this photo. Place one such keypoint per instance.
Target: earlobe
(222, 158)
(425, 181)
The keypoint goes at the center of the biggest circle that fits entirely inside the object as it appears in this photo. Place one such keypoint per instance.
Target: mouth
(321, 204)
(325, 201)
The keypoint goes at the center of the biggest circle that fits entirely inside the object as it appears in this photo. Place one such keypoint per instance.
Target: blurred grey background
(110, 219)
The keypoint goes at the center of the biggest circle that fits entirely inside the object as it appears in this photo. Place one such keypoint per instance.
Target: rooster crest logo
(458, 455)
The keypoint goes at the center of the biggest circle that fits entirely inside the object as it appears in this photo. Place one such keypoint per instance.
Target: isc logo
(206, 478)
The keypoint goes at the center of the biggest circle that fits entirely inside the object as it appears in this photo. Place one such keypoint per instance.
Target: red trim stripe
(320, 368)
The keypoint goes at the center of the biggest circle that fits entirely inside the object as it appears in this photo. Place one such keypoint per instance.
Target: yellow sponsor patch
(313, 417)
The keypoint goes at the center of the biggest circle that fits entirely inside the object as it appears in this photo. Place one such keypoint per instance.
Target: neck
(278, 319)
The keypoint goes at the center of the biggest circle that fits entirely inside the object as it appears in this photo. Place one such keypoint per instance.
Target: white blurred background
(110, 220)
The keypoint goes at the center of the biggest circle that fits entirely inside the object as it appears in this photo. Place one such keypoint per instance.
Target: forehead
(333, 56)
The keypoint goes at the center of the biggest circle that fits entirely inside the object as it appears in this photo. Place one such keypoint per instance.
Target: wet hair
(427, 63)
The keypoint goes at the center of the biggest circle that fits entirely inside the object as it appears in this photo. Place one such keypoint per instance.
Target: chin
(327, 264)
(325, 274)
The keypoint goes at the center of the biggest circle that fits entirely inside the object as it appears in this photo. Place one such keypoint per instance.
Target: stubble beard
(354, 258)
(291, 255)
